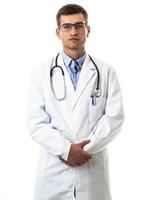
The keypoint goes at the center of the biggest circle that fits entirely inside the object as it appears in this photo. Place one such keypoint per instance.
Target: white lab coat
(56, 124)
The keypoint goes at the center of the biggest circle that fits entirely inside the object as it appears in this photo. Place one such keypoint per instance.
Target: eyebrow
(74, 23)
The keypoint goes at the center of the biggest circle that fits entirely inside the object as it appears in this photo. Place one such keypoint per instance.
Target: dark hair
(70, 9)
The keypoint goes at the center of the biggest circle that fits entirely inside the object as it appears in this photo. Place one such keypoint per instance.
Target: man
(71, 120)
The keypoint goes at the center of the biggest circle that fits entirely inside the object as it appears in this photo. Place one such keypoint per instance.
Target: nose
(74, 31)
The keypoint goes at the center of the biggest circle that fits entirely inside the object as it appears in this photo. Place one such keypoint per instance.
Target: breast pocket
(96, 109)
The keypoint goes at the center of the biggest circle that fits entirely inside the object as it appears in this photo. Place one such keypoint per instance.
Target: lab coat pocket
(96, 110)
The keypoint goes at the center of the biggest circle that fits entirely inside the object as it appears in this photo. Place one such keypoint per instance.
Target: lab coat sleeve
(39, 121)
(109, 125)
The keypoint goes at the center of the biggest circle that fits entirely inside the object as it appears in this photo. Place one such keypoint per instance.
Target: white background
(120, 35)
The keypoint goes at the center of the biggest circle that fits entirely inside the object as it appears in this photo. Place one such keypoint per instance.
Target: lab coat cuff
(66, 151)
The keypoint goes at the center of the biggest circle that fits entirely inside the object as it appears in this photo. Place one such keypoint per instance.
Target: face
(74, 38)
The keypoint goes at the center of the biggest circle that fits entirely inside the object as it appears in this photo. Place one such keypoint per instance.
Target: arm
(39, 121)
(110, 123)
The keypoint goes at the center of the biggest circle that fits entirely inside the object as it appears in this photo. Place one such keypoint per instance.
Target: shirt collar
(67, 60)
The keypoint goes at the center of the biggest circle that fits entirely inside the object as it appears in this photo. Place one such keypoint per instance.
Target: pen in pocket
(93, 97)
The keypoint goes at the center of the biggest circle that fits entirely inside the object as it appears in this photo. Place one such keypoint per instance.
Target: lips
(73, 39)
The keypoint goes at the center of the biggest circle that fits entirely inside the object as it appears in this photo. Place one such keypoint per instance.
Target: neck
(74, 54)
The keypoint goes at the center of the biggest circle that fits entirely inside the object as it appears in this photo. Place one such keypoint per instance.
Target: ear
(88, 30)
(58, 33)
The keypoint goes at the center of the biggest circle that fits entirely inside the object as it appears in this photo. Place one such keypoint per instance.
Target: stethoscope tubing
(97, 89)
(98, 74)
(55, 66)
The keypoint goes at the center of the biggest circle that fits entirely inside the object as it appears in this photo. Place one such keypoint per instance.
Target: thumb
(83, 143)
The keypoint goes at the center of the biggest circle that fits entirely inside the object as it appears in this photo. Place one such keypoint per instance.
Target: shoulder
(42, 66)
(41, 69)
(106, 70)
(102, 65)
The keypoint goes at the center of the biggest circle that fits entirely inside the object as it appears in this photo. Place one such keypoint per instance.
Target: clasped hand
(77, 156)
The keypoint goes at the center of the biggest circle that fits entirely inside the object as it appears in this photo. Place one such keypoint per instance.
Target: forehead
(72, 18)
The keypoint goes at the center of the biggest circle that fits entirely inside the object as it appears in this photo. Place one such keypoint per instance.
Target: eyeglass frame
(75, 25)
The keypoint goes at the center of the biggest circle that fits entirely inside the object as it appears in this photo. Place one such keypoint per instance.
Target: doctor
(72, 123)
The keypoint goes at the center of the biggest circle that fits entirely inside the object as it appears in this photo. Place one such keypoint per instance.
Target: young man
(74, 111)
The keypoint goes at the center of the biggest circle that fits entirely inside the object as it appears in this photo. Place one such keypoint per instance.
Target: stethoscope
(97, 91)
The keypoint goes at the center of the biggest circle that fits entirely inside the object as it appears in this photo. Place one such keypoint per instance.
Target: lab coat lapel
(87, 72)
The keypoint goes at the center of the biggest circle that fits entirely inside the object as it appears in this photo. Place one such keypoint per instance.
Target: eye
(67, 26)
(79, 25)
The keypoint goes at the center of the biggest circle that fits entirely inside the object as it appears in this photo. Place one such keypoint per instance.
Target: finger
(83, 143)
(87, 155)
(86, 159)
(81, 162)
(78, 164)
(71, 165)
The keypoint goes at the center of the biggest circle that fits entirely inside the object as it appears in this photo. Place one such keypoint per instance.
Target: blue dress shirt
(70, 63)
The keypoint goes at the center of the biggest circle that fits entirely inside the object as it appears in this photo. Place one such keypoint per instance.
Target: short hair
(70, 9)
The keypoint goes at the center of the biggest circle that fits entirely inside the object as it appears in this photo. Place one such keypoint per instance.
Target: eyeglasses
(68, 26)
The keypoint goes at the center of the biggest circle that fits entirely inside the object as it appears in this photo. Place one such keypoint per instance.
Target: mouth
(74, 39)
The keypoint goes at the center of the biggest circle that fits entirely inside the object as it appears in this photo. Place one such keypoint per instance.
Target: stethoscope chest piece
(97, 92)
